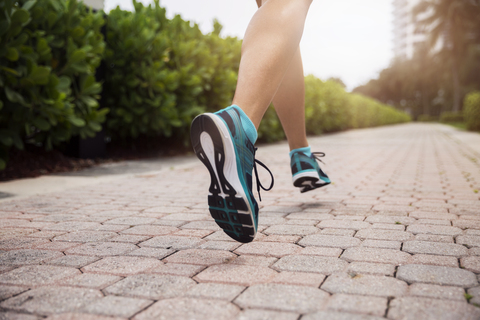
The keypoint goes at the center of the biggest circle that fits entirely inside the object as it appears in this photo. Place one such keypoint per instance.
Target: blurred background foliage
(159, 73)
(443, 70)
(49, 51)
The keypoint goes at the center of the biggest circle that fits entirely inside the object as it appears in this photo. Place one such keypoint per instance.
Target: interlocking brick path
(396, 236)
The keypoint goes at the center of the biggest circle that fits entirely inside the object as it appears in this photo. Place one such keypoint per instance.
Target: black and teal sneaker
(222, 145)
(306, 172)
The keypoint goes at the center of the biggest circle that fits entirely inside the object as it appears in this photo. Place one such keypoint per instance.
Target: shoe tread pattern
(225, 210)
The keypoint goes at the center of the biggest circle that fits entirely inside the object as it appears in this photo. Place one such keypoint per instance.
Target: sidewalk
(396, 236)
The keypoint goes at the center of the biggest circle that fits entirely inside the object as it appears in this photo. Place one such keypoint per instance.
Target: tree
(338, 80)
(452, 25)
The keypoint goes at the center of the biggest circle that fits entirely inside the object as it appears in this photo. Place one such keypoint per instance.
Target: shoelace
(259, 184)
(318, 155)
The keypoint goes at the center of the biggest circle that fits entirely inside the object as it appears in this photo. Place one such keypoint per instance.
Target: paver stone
(189, 308)
(283, 297)
(323, 265)
(414, 273)
(201, 257)
(236, 274)
(414, 308)
(365, 285)
(151, 286)
(37, 275)
(122, 266)
(49, 300)
(27, 256)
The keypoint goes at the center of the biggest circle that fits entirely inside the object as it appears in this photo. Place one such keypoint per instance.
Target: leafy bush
(471, 110)
(451, 117)
(162, 72)
(426, 118)
(49, 50)
(270, 129)
(328, 108)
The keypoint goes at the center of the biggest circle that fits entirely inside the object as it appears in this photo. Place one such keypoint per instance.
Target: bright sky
(349, 39)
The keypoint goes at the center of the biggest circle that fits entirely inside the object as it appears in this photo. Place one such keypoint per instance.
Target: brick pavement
(396, 236)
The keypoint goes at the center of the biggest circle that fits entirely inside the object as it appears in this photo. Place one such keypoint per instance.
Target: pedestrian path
(395, 236)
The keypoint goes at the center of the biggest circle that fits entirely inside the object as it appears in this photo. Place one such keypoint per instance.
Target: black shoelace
(259, 184)
(318, 155)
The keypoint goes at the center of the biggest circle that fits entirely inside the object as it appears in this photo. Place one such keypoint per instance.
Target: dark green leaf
(77, 56)
(12, 54)
(41, 124)
(64, 84)
(89, 101)
(21, 39)
(39, 75)
(42, 47)
(20, 16)
(76, 121)
(29, 4)
(14, 96)
(95, 126)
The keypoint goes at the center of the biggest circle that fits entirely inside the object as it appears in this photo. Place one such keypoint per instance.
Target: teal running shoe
(306, 172)
(220, 142)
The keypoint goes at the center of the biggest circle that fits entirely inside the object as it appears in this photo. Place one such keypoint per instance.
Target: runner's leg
(269, 46)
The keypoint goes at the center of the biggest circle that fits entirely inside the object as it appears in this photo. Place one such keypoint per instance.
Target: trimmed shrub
(49, 51)
(270, 129)
(327, 108)
(471, 110)
(162, 73)
(451, 117)
(426, 118)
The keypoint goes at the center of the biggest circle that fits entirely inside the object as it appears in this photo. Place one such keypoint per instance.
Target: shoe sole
(227, 200)
(308, 181)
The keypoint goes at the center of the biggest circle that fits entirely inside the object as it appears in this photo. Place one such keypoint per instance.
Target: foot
(306, 172)
(220, 142)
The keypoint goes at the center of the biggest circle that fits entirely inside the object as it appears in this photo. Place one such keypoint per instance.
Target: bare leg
(270, 43)
(289, 103)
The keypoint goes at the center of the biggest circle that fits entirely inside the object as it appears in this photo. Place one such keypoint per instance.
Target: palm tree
(452, 23)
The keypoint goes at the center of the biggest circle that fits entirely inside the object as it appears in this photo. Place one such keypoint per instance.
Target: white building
(405, 37)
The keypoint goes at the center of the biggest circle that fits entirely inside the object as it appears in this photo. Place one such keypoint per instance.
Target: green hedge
(471, 110)
(427, 118)
(451, 117)
(49, 51)
(329, 108)
(326, 106)
(162, 73)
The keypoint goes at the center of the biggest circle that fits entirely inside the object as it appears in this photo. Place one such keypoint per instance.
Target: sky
(348, 39)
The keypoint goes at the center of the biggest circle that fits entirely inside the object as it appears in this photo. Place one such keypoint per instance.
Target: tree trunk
(425, 103)
(457, 95)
